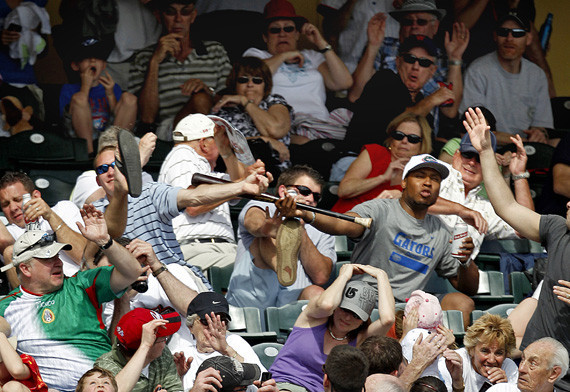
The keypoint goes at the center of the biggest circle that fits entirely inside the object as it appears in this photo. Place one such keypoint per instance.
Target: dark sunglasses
(470, 155)
(104, 168)
(277, 30)
(47, 239)
(246, 79)
(516, 33)
(306, 191)
(422, 61)
(399, 135)
(186, 11)
(223, 318)
(410, 22)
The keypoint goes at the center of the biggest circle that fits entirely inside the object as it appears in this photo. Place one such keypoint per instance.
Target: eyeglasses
(399, 135)
(419, 22)
(422, 61)
(223, 318)
(277, 30)
(470, 155)
(246, 79)
(306, 191)
(104, 168)
(516, 33)
(171, 11)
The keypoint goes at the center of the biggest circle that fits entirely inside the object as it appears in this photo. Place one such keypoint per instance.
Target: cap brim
(173, 325)
(46, 252)
(438, 167)
(359, 312)
(251, 372)
(398, 14)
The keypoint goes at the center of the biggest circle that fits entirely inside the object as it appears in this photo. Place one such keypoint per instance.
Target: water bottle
(545, 32)
(33, 225)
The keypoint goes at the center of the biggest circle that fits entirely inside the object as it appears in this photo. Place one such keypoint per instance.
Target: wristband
(325, 49)
(107, 245)
(57, 228)
(525, 175)
(314, 218)
(159, 271)
(455, 62)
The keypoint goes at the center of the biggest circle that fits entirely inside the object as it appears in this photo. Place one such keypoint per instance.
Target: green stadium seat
(281, 319)
(267, 352)
(220, 278)
(246, 322)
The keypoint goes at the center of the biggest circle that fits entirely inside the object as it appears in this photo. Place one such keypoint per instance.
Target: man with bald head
(384, 383)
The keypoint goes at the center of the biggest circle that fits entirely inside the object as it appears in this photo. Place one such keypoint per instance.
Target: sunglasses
(516, 33)
(470, 155)
(422, 61)
(186, 11)
(277, 30)
(246, 79)
(47, 239)
(306, 191)
(419, 22)
(104, 168)
(223, 318)
(399, 135)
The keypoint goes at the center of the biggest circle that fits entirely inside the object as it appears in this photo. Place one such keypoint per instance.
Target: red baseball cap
(282, 9)
(129, 328)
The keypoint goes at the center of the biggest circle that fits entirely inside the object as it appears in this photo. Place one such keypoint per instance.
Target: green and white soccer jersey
(62, 330)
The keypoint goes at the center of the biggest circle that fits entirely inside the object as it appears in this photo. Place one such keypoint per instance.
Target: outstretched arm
(522, 219)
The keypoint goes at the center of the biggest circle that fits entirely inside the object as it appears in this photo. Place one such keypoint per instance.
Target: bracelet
(247, 103)
(57, 228)
(107, 245)
(235, 355)
(159, 271)
(314, 218)
(524, 175)
(325, 49)
(455, 62)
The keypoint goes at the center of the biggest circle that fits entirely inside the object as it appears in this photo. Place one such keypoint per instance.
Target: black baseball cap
(233, 373)
(208, 302)
(517, 16)
(418, 41)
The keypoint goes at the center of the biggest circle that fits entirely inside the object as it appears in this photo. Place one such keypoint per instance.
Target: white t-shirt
(70, 214)
(302, 87)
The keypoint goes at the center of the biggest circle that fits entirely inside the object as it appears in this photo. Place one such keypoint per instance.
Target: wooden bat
(198, 179)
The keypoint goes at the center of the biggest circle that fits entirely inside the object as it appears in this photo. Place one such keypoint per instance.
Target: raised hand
(455, 47)
(143, 252)
(36, 208)
(478, 129)
(215, 333)
(182, 364)
(376, 29)
(314, 35)
(519, 159)
(95, 228)
(454, 365)
(257, 183)
(147, 146)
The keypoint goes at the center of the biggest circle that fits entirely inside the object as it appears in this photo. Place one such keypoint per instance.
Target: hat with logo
(418, 6)
(360, 298)
(90, 47)
(36, 244)
(193, 127)
(207, 302)
(418, 41)
(233, 373)
(430, 314)
(467, 146)
(425, 160)
(515, 15)
(129, 327)
(282, 9)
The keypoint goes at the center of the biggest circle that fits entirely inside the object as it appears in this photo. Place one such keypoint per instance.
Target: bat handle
(366, 222)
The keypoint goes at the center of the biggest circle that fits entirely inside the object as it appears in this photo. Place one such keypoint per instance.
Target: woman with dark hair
(428, 384)
(377, 172)
(263, 118)
(340, 315)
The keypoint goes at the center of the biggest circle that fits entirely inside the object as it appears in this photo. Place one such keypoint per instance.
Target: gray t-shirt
(408, 249)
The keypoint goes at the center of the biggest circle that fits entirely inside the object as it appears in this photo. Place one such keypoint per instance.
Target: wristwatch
(107, 245)
(325, 49)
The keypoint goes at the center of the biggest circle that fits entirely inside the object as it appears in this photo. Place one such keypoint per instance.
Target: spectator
(429, 384)
(551, 230)
(59, 220)
(97, 101)
(403, 239)
(377, 172)
(345, 369)
(556, 193)
(69, 320)
(97, 379)
(384, 383)
(489, 342)
(256, 278)
(141, 336)
(18, 372)
(226, 374)
(339, 316)
(384, 355)
(205, 232)
(544, 362)
(493, 79)
(178, 75)
(263, 118)
(302, 76)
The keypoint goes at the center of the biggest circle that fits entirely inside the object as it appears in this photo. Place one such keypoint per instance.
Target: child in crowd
(96, 102)
(97, 379)
(18, 372)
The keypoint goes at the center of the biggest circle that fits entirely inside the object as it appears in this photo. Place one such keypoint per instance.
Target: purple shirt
(301, 359)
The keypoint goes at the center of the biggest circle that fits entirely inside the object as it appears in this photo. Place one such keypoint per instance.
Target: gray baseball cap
(360, 298)
(38, 244)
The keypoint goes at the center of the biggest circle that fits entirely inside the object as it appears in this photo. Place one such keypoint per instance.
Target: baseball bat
(199, 178)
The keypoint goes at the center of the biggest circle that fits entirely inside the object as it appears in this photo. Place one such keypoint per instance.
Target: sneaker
(288, 243)
(130, 165)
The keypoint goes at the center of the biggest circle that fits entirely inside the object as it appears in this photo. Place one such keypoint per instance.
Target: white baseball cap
(36, 244)
(425, 160)
(193, 127)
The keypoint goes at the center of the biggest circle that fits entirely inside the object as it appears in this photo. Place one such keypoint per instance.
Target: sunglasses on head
(104, 168)
(516, 33)
(47, 239)
(422, 61)
(246, 79)
(277, 30)
(470, 155)
(223, 318)
(399, 135)
(306, 191)
(419, 22)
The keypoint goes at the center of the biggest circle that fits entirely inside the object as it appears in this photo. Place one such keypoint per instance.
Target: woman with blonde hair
(377, 172)
(489, 342)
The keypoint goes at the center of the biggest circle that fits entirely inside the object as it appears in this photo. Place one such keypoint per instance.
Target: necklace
(334, 337)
